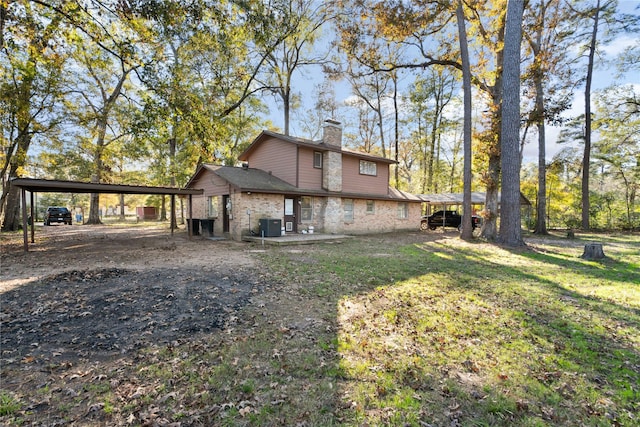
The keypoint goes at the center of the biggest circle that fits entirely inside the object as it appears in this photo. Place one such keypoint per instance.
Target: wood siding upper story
(309, 178)
(354, 182)
(212, 184)
(278, 157)
(294, 164)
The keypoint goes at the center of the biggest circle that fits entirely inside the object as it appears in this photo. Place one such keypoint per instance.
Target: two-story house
(308, 185)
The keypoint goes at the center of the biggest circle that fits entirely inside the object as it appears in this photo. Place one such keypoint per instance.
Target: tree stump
(593, 251)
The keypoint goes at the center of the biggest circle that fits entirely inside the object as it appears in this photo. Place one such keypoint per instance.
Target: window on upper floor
(368, 168)
(317, 159)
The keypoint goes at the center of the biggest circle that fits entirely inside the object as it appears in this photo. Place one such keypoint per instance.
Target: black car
(57, 214)
(447, 219)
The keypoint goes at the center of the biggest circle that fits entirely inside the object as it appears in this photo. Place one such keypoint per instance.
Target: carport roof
(477, 198)
(56, 186)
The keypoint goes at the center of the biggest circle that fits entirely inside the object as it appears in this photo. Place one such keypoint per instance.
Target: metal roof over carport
(477, 198)
(56, 186)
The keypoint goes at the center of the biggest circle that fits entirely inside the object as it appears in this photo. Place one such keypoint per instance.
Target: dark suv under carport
(447, 219)
(58, 215)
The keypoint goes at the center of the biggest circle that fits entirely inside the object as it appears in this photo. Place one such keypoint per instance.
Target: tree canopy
(108, 90)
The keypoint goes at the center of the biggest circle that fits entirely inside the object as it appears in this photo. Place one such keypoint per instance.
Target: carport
(456, 199)
(54, 186)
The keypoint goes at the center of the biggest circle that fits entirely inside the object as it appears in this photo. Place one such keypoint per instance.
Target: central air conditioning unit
(270, 226)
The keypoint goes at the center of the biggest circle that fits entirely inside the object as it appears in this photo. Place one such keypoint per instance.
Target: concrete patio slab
(296, 239)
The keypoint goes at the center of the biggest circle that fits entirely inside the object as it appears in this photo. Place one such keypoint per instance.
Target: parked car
(447, 219)
(57, 214)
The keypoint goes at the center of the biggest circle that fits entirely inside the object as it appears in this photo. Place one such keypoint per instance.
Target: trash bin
(207, 227)
(194, 225)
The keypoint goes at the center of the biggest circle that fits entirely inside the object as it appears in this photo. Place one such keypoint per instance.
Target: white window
(306, 208)
(347, 206)
(371, 207)
(288, 206)
(403, 210)
(368, 168)
(317, 159)
(212, 206)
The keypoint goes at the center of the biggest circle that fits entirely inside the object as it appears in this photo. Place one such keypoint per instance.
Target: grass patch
(416, 329)
(449, 332)
(9, 405)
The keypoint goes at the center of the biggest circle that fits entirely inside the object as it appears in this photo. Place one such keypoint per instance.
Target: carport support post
(173, 213)
(33, 218)
(190, 215)
(24, 219)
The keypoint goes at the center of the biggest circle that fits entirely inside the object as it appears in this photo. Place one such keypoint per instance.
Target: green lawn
(444, 332)
(418, 329)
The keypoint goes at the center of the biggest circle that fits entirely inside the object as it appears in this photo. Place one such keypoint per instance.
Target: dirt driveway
(93, 292)
(98, 322)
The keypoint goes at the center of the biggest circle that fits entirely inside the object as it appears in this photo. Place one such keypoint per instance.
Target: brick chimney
(332, 159)
(332, 133)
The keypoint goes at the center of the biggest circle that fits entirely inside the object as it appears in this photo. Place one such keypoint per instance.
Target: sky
(604, 76)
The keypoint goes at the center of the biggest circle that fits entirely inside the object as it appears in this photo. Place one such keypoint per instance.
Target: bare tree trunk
(586, 158)
(492, 176)
(122, 217)
(94, 205)
(467, 229)
(541, 207)
(286, 103)
(383, 144)
(12, 211)
(163, 208)
(173, 147)
(94, 209)
(510, 220)
(16, 160)
(10, 194)
(433, 137)
(396, 129)
(490, 216)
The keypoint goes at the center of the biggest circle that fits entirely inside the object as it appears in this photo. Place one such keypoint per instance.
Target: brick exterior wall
(260, 206)
(383, 220)
(328, 215)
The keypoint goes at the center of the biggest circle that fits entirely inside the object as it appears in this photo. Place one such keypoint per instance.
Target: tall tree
(425, 30)
(294, 51)
(602, 22)
(617, 149)
(372, 90)
(324, 107)
(467, 229)
(95, 101)
(510, 221)
(546, 32)
(586, 158)
(207, 61)
(31, 62)
(430, 96)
